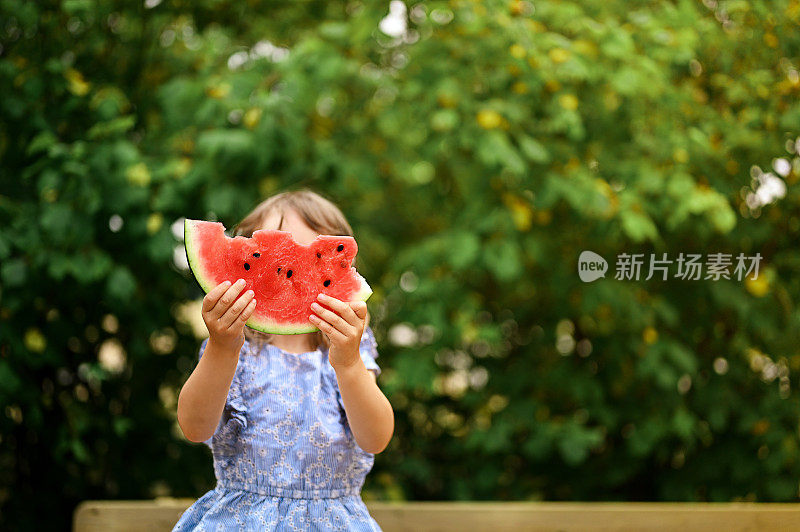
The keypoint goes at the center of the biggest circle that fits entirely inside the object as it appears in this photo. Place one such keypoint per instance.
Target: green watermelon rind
(192, 258)
(266, 326)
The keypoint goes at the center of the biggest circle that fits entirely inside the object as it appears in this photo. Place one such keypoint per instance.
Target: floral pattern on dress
(284, 455)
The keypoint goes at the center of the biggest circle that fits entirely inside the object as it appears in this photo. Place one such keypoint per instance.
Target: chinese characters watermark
(688, 266)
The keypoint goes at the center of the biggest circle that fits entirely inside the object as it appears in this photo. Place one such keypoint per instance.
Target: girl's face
(293, 223)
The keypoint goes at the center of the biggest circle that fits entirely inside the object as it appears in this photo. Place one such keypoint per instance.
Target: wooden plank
(569, 517)
(163, 513)
(133, 516)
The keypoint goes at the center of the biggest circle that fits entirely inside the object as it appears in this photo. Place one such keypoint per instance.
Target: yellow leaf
(552, 85)
(252, 117)
(469, 333)
(572, 164)
(49, 195)
(536, 26)
(519, 87)
(446, 100)
(219, 91)
(489, 119)
(568, 101)
(559, 55)
(699, 95)
(760, 427)
(76, 84)
(785, 86)
(34, 340)
(610, 195)
(154, 222)
(650, 335)
(680, 155)
(543, 217)
(758, 286)
(138, 174)
(517, 51)
(517, 7)
(521, 211)
(585, 47)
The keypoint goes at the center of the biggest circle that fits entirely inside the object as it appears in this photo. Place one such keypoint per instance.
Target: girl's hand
(225, 315)
(343, 328)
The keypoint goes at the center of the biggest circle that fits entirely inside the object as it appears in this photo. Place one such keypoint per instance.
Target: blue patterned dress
(284, 455)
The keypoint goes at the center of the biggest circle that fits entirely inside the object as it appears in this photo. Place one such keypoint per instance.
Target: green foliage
(476, 159)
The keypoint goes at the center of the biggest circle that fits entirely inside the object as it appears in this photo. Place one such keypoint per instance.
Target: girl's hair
(319, 213)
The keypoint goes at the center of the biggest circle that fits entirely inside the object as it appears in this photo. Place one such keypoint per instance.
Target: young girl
(293, 421)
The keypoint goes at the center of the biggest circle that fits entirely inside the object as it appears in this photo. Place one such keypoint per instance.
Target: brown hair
(319, 213)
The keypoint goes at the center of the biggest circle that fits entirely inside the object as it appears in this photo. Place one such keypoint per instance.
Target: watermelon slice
(285, 276)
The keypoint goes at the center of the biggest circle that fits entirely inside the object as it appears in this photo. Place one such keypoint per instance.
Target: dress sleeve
(369, 350)
(234, 414)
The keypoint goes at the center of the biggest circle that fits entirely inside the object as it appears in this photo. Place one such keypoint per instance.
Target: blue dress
(284, 455)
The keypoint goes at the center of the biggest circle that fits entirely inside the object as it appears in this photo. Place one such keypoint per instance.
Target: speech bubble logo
(591, 266)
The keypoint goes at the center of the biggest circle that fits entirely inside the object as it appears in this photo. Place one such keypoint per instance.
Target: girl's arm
(203, 396)
(368, 411)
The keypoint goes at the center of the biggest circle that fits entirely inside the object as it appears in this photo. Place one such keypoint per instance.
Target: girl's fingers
(333, 319)
(232, 313)
(344, 310)
(227, 299)
(360, 309)
(327, 328)
(213, 296)
(245, 315)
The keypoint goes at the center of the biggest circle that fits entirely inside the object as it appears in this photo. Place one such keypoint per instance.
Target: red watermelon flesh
(285, 276)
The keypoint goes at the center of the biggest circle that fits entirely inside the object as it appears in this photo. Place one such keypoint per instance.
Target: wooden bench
(163, 513)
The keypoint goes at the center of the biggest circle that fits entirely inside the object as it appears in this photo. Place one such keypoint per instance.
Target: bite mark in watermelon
(285, 276)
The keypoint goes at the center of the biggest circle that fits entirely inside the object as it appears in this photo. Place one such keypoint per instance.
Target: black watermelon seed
(341, 247)
(279, 270)
(256, 255)
(327, 282)
(288, 274)
(246, 266)
(318, 255)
